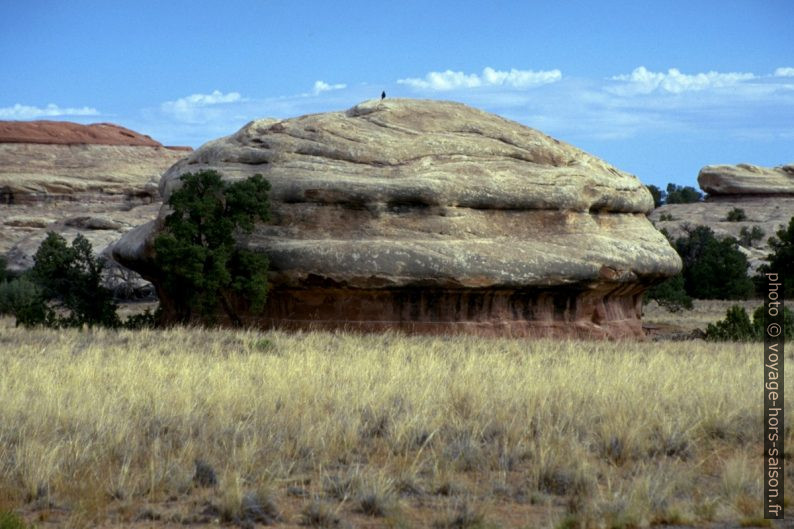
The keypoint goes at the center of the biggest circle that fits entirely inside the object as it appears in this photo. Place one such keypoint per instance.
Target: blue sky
(658, 89)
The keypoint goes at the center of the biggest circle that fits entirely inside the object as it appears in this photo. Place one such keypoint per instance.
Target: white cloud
(201, 100)
(784, 72)
(520, 78)
(449, 80)
(322, 86)
(197, 107)
(644, 81)
(29, 112)
(576, 109)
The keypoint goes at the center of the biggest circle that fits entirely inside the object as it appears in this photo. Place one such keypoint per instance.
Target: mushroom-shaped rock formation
(430, 216)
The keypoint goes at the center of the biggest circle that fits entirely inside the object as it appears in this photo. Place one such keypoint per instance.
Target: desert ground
(198, 427)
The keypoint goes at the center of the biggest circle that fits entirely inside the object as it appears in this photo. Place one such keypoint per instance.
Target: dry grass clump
(250, 427)
(463, 516)
(320, 514)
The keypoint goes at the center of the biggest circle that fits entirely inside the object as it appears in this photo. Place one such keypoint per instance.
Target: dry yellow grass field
(108, 429)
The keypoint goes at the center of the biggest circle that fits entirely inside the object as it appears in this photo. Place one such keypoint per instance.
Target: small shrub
(22, 299)
(145, 320)
(788, 323)
(666, 217)
(737, 327)
(671, 294)
(748, 237)
(736, 215)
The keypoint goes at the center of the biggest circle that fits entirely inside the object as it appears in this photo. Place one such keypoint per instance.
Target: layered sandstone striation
(99, 180)
(429, 216)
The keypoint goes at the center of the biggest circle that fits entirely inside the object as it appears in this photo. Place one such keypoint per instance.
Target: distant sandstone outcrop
(42, 161)
(745, 180)
(430, 216)
(766, 195)
(99, 180)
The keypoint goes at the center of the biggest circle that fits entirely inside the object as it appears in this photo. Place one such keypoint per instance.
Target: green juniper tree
(713, 268)
(63, 289)
(202, 267)
(671, 294)
(657, 194)
(738, 327)
(780, 261)
(676, 194)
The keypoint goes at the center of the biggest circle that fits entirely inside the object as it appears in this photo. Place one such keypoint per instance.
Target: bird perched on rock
(383, 95)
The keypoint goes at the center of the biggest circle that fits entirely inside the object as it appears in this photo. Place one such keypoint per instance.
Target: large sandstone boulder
(99, 180)
(432, 216)
(728, 181)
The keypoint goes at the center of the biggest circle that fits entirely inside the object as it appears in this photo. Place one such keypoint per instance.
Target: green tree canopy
(657, 194)
(202, 267)
(682, 195)
(713, 268)
(781, 260)
(671, 294)
(64, 287)
(737, 326)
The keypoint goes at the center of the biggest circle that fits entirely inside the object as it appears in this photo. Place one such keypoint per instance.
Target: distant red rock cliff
(67, 133)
